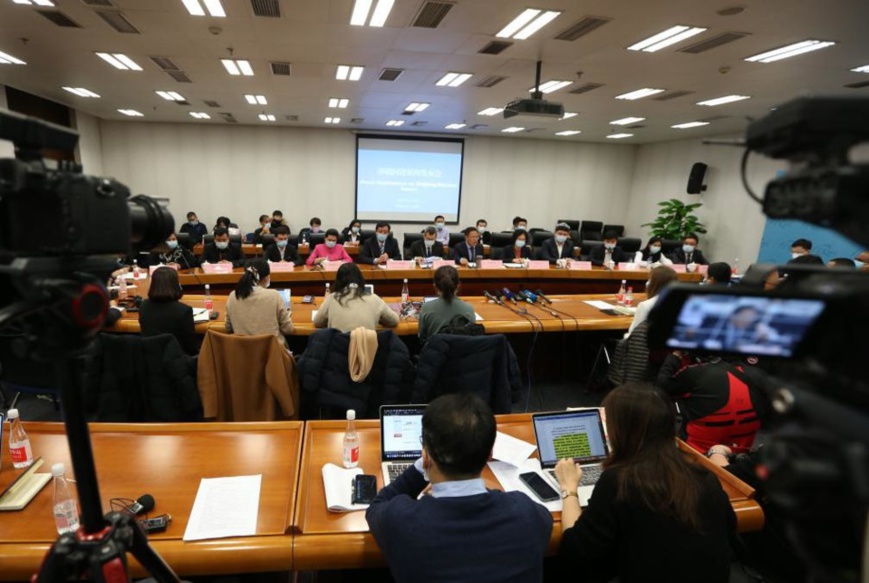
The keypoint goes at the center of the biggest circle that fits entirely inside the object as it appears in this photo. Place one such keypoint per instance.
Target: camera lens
(150, 221)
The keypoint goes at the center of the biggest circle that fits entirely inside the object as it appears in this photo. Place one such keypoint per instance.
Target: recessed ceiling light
(626, 121)
(266, 117)
(793, 50)
(491, 111)
(512, 130)
(568, 115)
(7, 59)
(551, 86)
(339, 103)
(417, 107)
(453, 79)
(256, 99)
(639, 93)
(34, 2)
(131, 112)
(455, 126)
(361, 8)
(690, 124)
(196, 9)
(669, 37)
(863, 69)
(237, 67)
(81, 91)
(619, 136)
(200, 115)
(394, 123)
(527, 23)
(120, 61)
(723, 100)
(348, 72)
(170, 95)
(332, 120)
(568, 133)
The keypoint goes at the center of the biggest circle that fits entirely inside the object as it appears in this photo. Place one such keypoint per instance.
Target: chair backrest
(496, 252)
(184, 240)
(209, 239)
(574, 236)
(248, 237)
(630, 244)
(268, 240)
(588, 245)
(533, 230)
(574, 225)
(316, 238)
(410, 239)
(365, 234)
(539, 237)
(670, 245)
(455, 239)
(619, 229)
(293, 240)
(590, 230)
(500, 240)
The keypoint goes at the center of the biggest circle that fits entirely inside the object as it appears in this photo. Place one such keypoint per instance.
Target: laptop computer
(571, 434)
(400, 438)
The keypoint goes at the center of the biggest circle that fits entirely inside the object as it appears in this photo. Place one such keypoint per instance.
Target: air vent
(356, 120)
(495, 47)
(859, 85)
(714, 42)
(431, 14)
(714, 118)
(118, 21)
(582, 28)
(390, 74)
(179, 76)
(99, 3)
(59, 18)
(477, 126)
(185, 102)
(211, 103)
(281, 69)
(672, 95)
(165, 63)
(292, 118)
(636, 127)
(419, 123)
(266, 8)
(228, 117)
(490, 81)
(586, 88)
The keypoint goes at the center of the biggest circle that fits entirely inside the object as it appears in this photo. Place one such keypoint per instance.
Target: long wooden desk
(167, 461)
(325, 540)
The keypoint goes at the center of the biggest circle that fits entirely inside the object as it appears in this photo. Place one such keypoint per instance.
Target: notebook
(571, 434)
(23, 488)
(400, 438)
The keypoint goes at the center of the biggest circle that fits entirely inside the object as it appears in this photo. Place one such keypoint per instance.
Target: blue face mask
(688, 248)
(439, 226)
(192, 223)
(172, 244)
(381, 237)
(355, 230)
(520, 243)
(331, 244)
(282, 243)
(654, 250)
(560, 239)
(859, 264)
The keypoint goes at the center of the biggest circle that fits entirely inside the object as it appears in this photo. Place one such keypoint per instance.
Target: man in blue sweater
(459, 531)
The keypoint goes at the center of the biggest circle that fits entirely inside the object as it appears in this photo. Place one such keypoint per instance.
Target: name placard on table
(217, 267)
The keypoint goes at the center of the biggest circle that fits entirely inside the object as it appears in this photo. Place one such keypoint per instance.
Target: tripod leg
(148, 557)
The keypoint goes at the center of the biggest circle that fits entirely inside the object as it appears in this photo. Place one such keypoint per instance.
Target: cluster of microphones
(143, 505)
(523, 295)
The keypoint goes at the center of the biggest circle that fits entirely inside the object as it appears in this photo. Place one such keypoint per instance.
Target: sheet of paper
(508, 476)
(313, 315)
(200, 315)
(599, 304)
(225, 507)
(511, 450)
(479, 318)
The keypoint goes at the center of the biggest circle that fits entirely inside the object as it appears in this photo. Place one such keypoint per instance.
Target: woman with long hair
(659, 278)
(653, 252)
(253, 308)
(438, 313)
(349, 306)
(655, 514)
(352, 234)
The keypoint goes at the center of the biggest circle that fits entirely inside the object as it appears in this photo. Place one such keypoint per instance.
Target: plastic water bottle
(136, 271)
(209, 303)
(351, 441)
(405, 293)
(65, 508)
(620, 298)
(735, 269)
(19, 444)
(629, 297)
(122, 287)
(328, 290)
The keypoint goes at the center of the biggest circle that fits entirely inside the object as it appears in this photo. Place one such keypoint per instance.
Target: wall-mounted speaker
(695, 179)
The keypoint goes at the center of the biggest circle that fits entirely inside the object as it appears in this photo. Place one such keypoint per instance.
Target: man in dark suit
(222, 251)
(281, 250)
(429, 248)
(471, 251)
(610, 251)
(689, 253)
(194, 228)
(559, 246)
(381, 247)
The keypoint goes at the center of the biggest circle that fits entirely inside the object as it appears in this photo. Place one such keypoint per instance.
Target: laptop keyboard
(590, 475)
(396, 470)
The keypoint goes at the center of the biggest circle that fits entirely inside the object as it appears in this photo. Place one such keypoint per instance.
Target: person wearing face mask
(226, 223)
(443, 231)
(610, 253)
(222, 250)
(194, 228)
(659, 278)
(380, 248)
(688, 253)
(328, 251)
(428, 249)
(253, 309)
(520, 223)
(652, 253)
(352, 234)
(278, 220)
(800, 247)
(281, 250)
(176, 257)
(519, 250)
(485, 235)
(314, 226)
(265, 228)
(861, 262)
(559, 246)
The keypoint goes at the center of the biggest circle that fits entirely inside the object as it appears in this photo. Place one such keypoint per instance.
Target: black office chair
(618, 229)
(501, 240)
(293, 240)
(533, 230)
(364, 235)
(574, 236)
(455, 239)
(588, 246)
(316, 238)
(630, 244)
(670, 245)
(496, 253)
(410, 239)
(538, 237)
(209, 239)
(269, 240)
(574, 225)
(184, 240)
(590, 230)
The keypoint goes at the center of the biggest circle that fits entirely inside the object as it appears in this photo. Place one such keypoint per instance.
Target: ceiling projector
(536, 108)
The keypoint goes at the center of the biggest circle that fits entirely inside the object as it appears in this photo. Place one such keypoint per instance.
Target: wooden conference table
(252, 250)
(294, 529)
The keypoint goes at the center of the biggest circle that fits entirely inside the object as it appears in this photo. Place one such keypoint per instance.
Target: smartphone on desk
(539, 486)
(364, 488)
(214, 315)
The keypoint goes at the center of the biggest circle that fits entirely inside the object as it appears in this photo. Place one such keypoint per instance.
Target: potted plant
(675, 220)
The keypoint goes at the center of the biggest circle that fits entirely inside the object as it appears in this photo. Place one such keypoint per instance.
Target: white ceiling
(315, 36)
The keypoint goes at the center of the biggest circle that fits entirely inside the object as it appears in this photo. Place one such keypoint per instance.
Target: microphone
(143, 505)
(500, 297)
(542, 296)
(529, 297)
(491, 297)
(509, 295)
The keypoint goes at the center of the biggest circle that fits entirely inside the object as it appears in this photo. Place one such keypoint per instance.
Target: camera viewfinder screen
(744, 325)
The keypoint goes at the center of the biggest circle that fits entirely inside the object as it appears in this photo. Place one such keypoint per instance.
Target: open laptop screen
(570, 434)
(400, 432)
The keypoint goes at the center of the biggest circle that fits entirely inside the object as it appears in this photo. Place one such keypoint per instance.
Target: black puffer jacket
(324, 376)
(483, 365)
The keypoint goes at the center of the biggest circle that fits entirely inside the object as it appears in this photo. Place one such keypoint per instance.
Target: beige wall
(89, 152)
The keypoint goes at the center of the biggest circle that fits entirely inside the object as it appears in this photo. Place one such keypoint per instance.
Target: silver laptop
(571, 434)
(400, 438)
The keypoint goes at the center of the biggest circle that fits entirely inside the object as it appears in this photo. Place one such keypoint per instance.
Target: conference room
(583, 116)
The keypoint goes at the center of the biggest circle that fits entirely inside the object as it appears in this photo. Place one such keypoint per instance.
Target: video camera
(814, 328)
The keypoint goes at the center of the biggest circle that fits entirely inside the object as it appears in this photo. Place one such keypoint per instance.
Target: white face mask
(520, 243)
(355, 230)
(429, 243)
(221, 244)
(172, 244)
(439, 225)
(609, 246)
(688, 248)
(331, 244)
(560, 239)
(654, 250)
(859, 264)
(795, 255)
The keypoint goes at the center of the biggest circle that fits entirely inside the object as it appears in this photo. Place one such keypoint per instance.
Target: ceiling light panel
(455, 126)
(569, 114)
(339, 103)
(170, 95)
(120, 61)
(237, 67)
(362, 9)
(626, 121)
(527, 23)
(131, 113)
(568, 133)
(690, 124)
(256, 99)
(394, 123)
(788, 51)
(200, 115)
(723, 100)
(332, 120)
(664, 39)
(81, 92)
(349, 72)
(7, 59)
(204, 7)
(639, 93)
(452, 79)
(512, 130)
(416, 107)
(491, 111)
(619, 136)
(34, 2)
(267, 117)
(551, 86)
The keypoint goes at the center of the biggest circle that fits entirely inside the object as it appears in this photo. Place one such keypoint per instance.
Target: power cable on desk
(498, 298)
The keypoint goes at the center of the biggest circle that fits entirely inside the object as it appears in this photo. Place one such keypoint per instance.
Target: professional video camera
(61, 233)
(816, 465)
